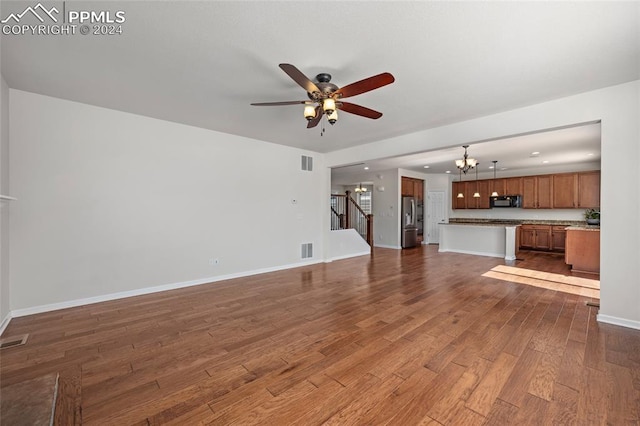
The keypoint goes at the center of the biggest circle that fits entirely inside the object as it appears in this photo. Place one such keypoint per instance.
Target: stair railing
(346, 213)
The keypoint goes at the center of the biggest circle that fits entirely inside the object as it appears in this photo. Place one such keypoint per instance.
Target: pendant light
(494, 193)
(460, 194)
(476, 194)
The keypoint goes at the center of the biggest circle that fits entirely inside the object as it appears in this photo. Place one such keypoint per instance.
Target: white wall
(4, 205)
(617, 108)
(345, 243)
(111, 202)
(386, 222)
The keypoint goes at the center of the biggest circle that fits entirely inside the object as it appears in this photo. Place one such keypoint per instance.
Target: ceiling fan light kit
(328, 106)
(326, 98)
(309, 112)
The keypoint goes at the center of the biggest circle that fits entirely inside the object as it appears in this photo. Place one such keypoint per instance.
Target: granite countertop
(481, 223)
(579, 223)
(584, 228)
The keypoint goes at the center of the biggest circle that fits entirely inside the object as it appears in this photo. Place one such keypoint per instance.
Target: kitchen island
(483, 239)
(583, 249)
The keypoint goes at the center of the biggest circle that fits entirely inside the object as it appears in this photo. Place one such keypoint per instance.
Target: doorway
(435, 215)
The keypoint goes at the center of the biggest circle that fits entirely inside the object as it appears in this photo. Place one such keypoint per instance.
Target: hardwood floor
(404, 338)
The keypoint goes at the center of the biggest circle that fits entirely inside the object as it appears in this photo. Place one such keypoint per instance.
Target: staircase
(347, 214)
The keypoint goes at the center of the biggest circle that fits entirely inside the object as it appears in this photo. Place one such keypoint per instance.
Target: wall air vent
(307, 250)
(307, 163)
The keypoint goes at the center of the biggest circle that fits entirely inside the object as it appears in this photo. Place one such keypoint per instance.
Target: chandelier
(360, 188)
(466, 163)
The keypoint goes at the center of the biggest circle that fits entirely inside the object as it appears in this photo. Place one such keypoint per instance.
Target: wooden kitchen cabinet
(513, 186)
(535, 237)
(576, 190)
(589, 190)
(558, 238)
(527, 237)
(565, 188)
(583, 249)
(456, 188)
(536, 192)
(407, 187)
(561, 191)
(544, 187)
(470, 188)
(485, 193)
(543, 238)
(482, 187)
(418, 189)
(498, 185)
(411, 187)
(529, 199)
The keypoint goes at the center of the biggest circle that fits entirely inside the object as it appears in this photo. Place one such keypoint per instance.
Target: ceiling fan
(325, 98)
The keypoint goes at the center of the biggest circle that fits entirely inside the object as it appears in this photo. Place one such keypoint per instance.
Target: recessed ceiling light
(426, 167)
(491, 167)
(545, 161)
(366, 167)
(535, 153)
(503, 168)
(448, 171)
(590, 154)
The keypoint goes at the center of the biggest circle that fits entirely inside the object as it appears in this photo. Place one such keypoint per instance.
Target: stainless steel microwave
(506, 201)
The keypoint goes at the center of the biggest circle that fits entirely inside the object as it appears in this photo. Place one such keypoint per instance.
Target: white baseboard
(347, 256)
(387, 246)
(618, 321)
(476, 253)
(5, 323)
(148, 290)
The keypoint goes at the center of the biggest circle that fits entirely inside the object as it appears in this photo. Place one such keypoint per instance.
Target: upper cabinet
(536, 192)
(468, 189)
(589, 190)
(512, 186)
(576, 190)
(407, 187)
(564, 190)
(498, 186)
(458, 202)
(579, 190)
(412, 187)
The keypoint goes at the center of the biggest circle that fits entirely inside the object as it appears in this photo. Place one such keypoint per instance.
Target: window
(364, 200)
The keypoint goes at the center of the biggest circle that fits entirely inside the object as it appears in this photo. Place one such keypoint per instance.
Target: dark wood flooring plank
(490, 386)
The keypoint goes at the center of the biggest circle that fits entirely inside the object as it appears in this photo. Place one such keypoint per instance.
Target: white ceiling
(203, 63)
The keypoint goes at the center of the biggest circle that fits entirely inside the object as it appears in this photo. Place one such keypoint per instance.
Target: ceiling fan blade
(365, 85)
(358, 110)
(279, 103)
(299, 78)
(314, 121)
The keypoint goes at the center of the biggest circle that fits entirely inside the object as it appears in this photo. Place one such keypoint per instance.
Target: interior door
(436, 213)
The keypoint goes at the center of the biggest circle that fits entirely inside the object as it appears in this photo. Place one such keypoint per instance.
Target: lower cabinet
(558, 238)
(539, 237)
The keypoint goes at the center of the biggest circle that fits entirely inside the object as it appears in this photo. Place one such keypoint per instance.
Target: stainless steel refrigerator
(409, 222)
